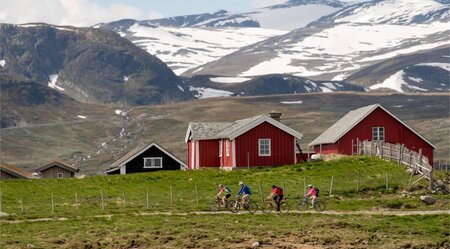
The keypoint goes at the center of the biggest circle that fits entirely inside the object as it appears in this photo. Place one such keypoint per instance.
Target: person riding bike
(226, 194)
(313, 193)
(245, 192)
(277, 195)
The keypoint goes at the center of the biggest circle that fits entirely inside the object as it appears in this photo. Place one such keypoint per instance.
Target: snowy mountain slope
(186, 42)
(344, 42)
(421, 72)
(204, 86)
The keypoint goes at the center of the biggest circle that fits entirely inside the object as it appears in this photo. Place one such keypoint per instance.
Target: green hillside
(353, 219)
(36, 194)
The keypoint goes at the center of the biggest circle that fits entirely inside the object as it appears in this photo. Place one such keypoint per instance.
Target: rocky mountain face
(343, 43)
(204, 86)
(89, 65)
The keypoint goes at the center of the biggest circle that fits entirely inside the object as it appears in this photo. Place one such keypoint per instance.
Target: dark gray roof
(57, 164)
(230, 130)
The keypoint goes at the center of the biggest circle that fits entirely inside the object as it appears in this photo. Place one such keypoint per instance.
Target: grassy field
(130, 224)
(92, 143)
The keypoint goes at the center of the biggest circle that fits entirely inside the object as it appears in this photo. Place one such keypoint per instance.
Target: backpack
(317, 191)
(281, 190)
(227, 190)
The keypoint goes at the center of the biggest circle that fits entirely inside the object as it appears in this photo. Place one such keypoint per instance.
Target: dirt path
(109, 216)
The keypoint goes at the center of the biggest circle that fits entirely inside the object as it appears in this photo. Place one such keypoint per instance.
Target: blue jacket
(244, 189)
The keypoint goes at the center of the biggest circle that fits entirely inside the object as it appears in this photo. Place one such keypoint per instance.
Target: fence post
(410, 161)
(103, 203)
(53, 205)
(304, 185)
(124, 199)
(261, 191)
(76, 201)
(21, 203)
(196, 195)
(171, 197)
(331, 185)
(390, 152)
(358, 145)
(358, 182)
(147, 199)
(387, 182)
(399, 153)
(371, 148)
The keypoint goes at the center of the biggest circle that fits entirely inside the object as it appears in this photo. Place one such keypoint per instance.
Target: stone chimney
(275, 115)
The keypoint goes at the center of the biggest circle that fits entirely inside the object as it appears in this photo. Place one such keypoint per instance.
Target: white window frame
(260, 141)
(227, 148)
(152, 162)
(220, 148)
(376, 133)
(60, 175)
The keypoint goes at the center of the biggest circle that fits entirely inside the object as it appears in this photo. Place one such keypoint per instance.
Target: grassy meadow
(129, 223)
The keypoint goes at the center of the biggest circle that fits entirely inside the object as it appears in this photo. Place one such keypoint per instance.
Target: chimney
(275, 115)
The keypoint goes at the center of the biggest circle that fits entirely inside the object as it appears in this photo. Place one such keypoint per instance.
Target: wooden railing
(415, 161)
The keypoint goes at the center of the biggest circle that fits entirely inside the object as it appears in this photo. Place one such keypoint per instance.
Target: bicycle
(235, 205)
(270, 206)
(319, 205)
(216, 204)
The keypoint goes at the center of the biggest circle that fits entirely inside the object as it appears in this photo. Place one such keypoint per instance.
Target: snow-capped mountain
(186, 42)
(207, 86)
(344, 42)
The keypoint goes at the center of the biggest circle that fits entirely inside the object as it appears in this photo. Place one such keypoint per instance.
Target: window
(153, 162)
(220, 148)
(264, 147)
(378, 134)
(60, 175)
(227, 148)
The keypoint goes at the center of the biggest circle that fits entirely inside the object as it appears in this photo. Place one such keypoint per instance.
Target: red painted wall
(282, 147)
(327, 148)
(227, 161)
(394, 132)
(209, 153)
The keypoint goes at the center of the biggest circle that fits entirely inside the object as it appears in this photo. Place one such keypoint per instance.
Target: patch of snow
(52, 83)
(125, 78)
(292, 102)
(330, 85)
(397, 106)
(418, 80)
(339, 77)
(2, 63)
(118, 112)
(417, 88)
(203, 92)
(326, 90)
(393, 82)
(181, 89)
(81, 116)
(445, 66)
(229, 79)
(122, 132)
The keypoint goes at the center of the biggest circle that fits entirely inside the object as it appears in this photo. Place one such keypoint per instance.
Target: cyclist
(226, 191)
(277, 195)
(245, 192)
(313, 193)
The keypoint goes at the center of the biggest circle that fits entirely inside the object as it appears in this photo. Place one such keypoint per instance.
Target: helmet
(220, 185)
(273, 186)
(241, 183)
(309, 185)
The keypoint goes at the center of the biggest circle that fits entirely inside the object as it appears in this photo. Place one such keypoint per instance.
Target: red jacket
(277, 191)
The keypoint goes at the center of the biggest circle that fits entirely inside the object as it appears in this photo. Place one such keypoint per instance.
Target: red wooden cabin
(255, 141)
(372, 123)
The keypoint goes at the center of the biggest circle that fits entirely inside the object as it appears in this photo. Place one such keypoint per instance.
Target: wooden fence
(414, 161)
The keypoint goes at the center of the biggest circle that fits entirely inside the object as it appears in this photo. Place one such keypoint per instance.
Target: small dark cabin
(148, 158)
(57, 169)
(8, 171)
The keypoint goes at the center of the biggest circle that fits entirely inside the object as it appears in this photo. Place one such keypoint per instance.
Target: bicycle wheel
(302, 206)
(233, 206)
(319, 206)
(267, 207)
(252, 207)
(214, 206)
(284, 207)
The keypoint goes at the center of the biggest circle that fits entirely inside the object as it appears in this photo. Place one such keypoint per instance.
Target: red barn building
(372, 123)
(255, 141)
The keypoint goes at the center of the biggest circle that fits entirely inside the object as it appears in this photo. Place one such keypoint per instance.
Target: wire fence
(179, 198)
